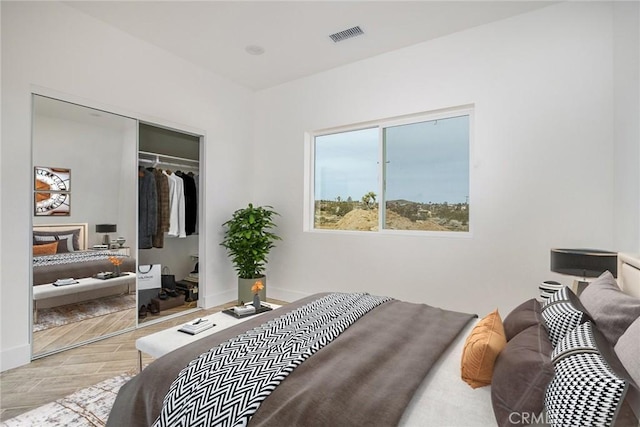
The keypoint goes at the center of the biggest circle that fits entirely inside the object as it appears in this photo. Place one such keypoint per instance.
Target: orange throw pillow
(486, 341)
(46, 249)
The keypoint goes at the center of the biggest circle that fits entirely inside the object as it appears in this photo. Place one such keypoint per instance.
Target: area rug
(71, 313)
(88, 407)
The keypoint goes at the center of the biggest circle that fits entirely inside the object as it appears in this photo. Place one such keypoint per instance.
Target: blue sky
(425, 162)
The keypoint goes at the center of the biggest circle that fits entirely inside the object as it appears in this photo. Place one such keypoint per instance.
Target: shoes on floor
(142, 313)
(170, 292)
(153, 309)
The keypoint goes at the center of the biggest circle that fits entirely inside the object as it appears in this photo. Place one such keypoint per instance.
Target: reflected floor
(59, 337)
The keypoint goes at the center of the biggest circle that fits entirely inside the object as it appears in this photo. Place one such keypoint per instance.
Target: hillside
(367, 220)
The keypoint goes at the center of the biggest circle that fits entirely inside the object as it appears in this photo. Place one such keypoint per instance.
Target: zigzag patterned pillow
(563, 294)
(562, 313)
(585, 390)
(578, 340)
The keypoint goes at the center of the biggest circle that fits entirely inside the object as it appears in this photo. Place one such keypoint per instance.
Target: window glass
(415, 171)
(427, 175)
(346, 169)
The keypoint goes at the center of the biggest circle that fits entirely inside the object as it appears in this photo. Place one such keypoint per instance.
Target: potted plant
(248, 239)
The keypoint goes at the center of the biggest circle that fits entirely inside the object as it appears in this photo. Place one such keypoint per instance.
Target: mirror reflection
(84, 224)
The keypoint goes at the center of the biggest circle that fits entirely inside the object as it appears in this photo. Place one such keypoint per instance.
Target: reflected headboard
(629, 273)
(61, 228)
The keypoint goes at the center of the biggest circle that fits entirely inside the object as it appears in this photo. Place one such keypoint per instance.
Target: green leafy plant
(248, 239)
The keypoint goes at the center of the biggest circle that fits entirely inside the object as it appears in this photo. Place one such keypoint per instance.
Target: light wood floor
(52, 377)
(53, 339)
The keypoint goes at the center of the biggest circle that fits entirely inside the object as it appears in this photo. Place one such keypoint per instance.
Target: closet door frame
(200, 134)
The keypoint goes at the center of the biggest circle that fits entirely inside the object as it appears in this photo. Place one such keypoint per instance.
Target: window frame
(310, 161)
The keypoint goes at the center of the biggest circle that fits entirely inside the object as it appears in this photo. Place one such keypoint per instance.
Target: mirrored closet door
(84, 224)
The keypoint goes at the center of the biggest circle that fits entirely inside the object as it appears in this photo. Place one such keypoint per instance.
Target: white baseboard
(232, 294)
(14, 357)
(285, 294)
(219, 298)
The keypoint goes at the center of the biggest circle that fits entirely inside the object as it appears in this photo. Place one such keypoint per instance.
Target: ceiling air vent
(346, 34)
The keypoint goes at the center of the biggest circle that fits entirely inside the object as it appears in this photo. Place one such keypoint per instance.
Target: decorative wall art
(52, 195)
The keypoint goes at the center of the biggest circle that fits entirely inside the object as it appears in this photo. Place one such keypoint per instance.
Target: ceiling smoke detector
(346, 34)
(254, 49)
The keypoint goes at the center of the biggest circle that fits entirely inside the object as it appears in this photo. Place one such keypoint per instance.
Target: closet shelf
(167, 160)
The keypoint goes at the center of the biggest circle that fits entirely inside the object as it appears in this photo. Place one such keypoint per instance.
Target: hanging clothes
(163, 217)
(196, 180)
(176, 206)
(190, 202)
(147, 208)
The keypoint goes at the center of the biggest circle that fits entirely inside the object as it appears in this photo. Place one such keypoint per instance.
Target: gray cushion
(522, 317)
(628, 350)
(612, 310)
(520, 376)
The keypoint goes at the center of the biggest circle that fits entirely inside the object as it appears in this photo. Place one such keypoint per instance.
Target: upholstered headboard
(62, 228)
(629, 273)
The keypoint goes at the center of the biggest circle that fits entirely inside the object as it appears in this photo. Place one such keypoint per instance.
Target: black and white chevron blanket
(74, 257)
(226, 385)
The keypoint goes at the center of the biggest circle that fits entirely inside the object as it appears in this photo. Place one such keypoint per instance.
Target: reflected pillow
(45, 249)
(72, 236)
(480, 350)
(63, 244)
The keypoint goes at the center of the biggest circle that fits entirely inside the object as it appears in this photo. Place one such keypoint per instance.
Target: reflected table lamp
(583, 264)
(106, 229)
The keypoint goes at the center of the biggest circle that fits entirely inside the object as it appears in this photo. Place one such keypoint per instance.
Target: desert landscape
(400, 215)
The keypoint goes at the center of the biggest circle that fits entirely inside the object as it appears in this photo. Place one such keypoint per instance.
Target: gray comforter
(366, 376)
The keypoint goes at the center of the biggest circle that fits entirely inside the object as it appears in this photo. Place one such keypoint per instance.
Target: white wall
(626, 57)
(49, 45)
(102, 178)
(542, 168)
(542, 162)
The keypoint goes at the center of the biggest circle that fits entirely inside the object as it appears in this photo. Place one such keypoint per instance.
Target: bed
(60, 251)
(400, 363)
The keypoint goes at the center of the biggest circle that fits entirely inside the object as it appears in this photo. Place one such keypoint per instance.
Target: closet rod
(160, 162)
(156, 157)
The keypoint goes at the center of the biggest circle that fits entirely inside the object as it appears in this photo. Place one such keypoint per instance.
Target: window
(401, 174)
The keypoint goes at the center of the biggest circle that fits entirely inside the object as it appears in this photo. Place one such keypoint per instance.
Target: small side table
(124, 250)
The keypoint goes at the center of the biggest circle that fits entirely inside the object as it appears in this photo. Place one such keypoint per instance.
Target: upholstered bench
(160, 343)
(84, 286)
